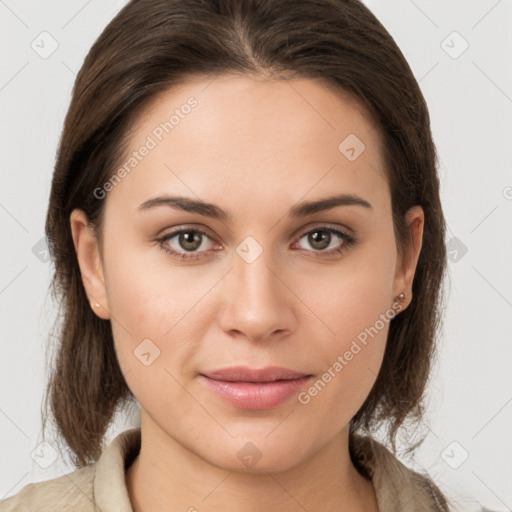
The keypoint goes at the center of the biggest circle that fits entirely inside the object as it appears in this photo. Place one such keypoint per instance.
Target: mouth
(255, 375)
(255, 389)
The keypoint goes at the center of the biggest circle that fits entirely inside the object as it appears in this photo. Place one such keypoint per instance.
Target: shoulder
(73, 492)
(396, 486)
(99, 486)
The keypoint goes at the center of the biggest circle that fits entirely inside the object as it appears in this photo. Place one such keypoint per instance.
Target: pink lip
(250, 388)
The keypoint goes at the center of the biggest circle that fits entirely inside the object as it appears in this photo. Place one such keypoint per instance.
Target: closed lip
(247, 374)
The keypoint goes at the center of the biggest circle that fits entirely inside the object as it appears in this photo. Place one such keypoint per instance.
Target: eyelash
(348, 242)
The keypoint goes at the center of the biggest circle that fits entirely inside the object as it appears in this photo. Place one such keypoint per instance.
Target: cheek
(148, 326)
(149, 298)
(356, 311)
(354, 297)
(350, 364)
(159, 316)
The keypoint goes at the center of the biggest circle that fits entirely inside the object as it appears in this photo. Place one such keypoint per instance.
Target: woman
(248, 241)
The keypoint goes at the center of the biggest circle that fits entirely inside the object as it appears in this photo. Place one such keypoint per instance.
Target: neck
(167, 476)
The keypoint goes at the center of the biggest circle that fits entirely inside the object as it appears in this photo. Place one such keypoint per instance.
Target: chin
(259, 456)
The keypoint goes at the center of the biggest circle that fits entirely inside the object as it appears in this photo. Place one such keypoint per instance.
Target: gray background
(468, 449)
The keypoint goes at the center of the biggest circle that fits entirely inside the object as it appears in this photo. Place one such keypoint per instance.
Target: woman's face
(259, 276)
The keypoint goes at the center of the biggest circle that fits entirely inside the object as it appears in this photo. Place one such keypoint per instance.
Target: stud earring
(400, 297)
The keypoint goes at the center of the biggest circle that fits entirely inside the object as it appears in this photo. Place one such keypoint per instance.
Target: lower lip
(255, 396)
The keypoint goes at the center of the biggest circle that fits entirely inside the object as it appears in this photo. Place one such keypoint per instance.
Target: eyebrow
(210, 210)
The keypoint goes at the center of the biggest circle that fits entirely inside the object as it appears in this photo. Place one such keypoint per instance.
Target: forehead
(253, 137)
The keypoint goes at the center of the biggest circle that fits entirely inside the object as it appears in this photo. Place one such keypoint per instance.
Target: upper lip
(247, 374)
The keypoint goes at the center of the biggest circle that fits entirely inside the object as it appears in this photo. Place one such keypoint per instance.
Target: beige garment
(101, 486)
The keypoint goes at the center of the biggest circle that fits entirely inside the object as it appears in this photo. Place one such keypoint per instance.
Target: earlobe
(406, 265)
(89, 261)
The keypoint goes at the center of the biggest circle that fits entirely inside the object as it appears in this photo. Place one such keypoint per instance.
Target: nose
(258, 304)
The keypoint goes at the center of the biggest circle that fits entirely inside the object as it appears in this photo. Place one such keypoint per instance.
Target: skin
(255, 148)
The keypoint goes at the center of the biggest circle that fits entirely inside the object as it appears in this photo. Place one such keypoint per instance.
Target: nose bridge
(256, 285)
(257, 299)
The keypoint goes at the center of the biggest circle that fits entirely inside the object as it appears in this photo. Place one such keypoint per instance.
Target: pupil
(317, 237)
(189, 238)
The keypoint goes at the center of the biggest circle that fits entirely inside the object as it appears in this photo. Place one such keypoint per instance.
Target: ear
(406, 265)
(89, 260)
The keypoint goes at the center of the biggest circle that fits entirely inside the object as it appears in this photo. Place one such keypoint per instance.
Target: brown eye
(185, 243)
(319, 239)
(189, 243)
(190, 240)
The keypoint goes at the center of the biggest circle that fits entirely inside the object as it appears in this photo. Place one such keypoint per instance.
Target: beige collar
(396, 486)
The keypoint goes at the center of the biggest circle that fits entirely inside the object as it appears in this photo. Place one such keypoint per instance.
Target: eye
(190, 240)
(321, 238)
(193, 243)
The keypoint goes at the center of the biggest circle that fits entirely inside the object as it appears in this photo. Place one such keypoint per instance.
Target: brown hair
(151, 45)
